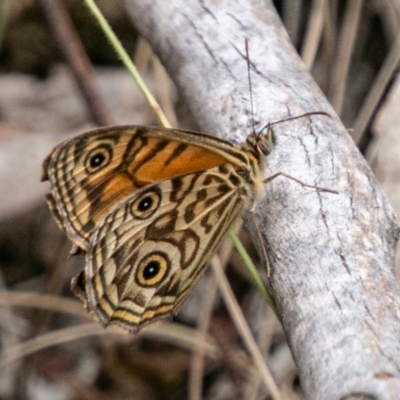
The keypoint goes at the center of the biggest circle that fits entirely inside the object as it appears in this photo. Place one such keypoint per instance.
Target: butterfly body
(148, 207)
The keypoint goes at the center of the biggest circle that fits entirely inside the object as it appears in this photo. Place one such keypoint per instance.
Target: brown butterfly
(148, 207)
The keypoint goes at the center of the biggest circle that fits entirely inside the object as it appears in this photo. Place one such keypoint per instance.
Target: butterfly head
(260, 144)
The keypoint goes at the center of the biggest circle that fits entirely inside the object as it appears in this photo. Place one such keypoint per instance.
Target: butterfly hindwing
(150, 250)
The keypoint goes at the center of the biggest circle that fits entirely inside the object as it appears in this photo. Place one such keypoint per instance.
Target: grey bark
(332, 255)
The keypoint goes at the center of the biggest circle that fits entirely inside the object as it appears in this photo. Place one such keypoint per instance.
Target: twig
(313, 34)
(241, 325)
(343, 56)
(379, 86)
(75, 54)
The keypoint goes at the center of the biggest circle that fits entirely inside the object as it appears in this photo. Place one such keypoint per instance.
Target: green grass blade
(116, 44)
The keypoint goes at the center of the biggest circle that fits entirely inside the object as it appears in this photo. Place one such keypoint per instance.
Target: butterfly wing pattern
(151, 249)
(147, 207)
(95, 170)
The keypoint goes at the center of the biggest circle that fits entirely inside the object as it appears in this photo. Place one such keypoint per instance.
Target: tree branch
(332, 255)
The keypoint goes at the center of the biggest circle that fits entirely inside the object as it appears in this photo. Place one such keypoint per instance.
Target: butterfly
(148, 207)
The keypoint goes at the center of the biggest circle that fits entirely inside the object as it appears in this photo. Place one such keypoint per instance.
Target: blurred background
(50, 347)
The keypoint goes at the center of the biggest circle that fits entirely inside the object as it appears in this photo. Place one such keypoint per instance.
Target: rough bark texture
(332, 255)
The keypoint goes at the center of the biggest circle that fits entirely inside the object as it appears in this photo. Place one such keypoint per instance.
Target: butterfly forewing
(91, 173)
(149, 251)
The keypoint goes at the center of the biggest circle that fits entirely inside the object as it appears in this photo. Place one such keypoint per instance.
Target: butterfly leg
(320, 189)
(260, 241)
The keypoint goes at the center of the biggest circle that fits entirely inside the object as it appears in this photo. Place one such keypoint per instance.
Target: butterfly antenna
(267, 126)
(246, 43)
